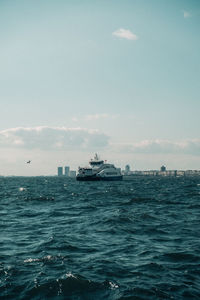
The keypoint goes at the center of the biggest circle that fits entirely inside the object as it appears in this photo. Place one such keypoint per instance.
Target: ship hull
(95, 178)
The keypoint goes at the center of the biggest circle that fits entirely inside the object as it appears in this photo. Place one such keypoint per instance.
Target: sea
(64, 239)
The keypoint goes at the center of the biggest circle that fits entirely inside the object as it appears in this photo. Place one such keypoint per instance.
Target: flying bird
(28, 162)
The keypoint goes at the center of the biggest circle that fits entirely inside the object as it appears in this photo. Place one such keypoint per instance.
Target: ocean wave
(133, 240)
(39, 198)
(178, 257)
(141, 200)
(73, 287)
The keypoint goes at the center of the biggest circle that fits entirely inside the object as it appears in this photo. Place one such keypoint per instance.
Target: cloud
(125, 34)
(74, 119)
(99, 116)
(186, 14)
(62, 138)
(52, 138)
(163, 147)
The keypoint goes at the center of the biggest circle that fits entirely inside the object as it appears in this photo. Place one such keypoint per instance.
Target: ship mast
(96, 156)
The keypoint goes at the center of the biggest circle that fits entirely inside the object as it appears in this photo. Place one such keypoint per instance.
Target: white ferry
(98, 170)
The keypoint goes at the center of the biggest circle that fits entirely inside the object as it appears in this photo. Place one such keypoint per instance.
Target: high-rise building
(72, 174)
(60, 171)
(67, 171)
(163, 169)
(127, 169)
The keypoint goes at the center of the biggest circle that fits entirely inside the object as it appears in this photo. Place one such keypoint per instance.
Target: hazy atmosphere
(120, 78)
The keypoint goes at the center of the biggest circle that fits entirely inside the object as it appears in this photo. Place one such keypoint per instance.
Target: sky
(116, 77)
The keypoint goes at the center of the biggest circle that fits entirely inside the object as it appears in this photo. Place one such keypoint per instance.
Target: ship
(98, 170)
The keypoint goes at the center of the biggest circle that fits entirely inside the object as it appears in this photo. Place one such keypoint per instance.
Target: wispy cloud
(100, 116)
(74, 119)
(163, 146)
(52, 138)
(125, 34)
(186, 14)
(94, 117)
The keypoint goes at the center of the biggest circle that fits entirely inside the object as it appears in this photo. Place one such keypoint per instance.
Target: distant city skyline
(65, 171)
(120, 78)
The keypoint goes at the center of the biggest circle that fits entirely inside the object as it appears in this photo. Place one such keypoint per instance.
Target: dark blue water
(62, 239)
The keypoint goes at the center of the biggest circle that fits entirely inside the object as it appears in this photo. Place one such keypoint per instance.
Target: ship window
(111, 173)
(96, 163)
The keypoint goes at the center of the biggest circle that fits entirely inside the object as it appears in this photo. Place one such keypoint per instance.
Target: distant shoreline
(132, 174)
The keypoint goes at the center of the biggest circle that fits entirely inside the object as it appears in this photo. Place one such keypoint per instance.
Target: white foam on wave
(48, 257)
(113, 285)
(70, 275)
(31, 260)
(22, 189)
